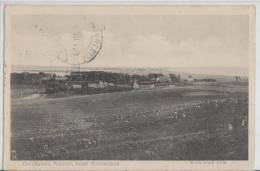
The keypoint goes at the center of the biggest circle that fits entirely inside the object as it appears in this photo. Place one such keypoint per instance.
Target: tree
(179, 78)
(174, 78)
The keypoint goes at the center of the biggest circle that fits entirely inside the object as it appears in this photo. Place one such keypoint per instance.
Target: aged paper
(129, 87)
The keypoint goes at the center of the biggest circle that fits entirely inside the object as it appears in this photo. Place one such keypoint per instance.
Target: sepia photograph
(129, 83)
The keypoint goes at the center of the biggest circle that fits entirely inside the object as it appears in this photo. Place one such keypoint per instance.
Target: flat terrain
(198, 122)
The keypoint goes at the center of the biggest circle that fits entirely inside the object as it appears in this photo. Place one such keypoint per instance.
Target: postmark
(83, 48)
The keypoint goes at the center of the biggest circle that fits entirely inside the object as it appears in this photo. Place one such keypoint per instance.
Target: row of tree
(93, 76)
(96, 76)
(28, 78)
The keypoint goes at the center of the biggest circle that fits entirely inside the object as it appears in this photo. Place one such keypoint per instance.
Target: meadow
(196, 122)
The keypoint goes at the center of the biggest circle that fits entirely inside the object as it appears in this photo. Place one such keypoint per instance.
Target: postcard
(129, 87)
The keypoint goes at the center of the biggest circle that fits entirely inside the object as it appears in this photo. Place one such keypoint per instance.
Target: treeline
(28, 78)
(121, 78)
(95, 77)
(205, 80)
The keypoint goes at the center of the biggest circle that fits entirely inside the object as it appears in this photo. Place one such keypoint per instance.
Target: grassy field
(198, 122)
(22, 91)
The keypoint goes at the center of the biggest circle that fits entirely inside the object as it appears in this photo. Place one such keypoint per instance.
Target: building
(237, 78)
(190, 78)
(135, 84)
(163, 79)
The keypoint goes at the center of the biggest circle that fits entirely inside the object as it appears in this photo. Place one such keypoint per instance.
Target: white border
(135, 2)
(1, 81)
(257, 139)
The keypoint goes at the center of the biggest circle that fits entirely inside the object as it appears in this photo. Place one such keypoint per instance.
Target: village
(94, 82)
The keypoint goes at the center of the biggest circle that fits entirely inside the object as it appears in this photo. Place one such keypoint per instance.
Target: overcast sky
(135, 41)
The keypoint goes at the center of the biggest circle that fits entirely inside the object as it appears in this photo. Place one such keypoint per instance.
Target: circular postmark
(81, 47)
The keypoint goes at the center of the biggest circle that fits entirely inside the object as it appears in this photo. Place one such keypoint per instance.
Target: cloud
(155, 50)
(151, 50)
(39, 49)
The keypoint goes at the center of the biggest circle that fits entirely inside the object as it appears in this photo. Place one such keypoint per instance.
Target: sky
(133, 40)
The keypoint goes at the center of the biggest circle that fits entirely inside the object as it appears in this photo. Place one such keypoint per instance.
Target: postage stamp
(129, 87)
